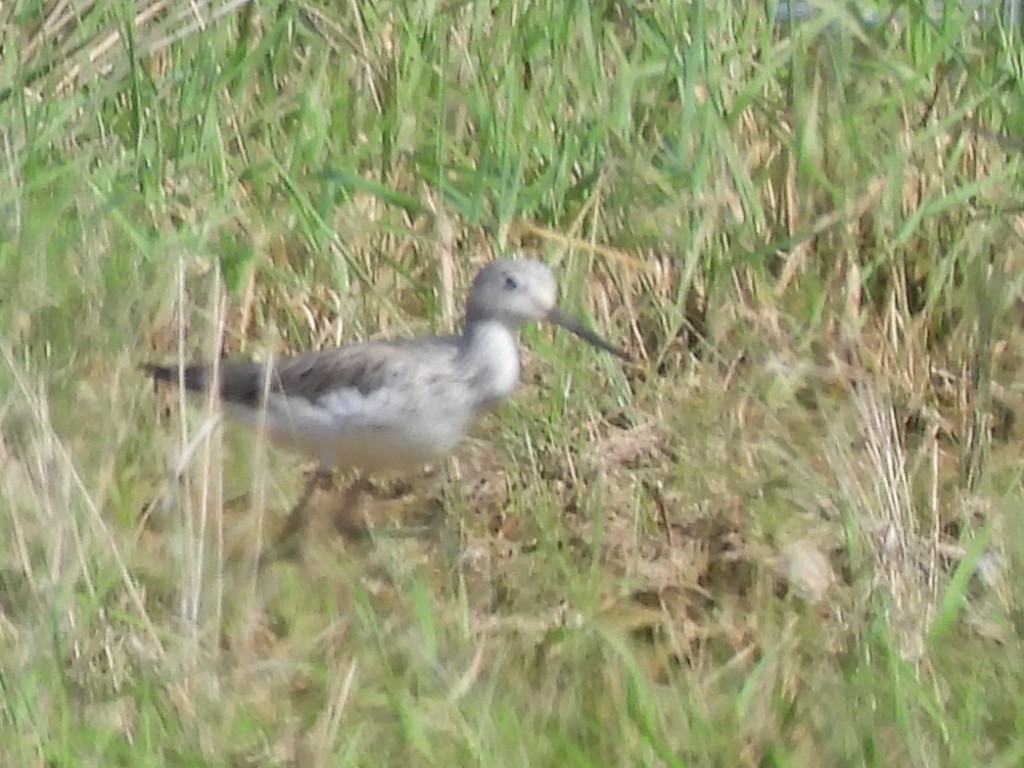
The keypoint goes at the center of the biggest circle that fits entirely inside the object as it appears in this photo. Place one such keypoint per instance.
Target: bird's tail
(195, 376)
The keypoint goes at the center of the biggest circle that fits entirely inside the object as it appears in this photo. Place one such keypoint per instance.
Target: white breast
(493, 358)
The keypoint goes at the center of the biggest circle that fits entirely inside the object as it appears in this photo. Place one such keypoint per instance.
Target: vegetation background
(789, 534)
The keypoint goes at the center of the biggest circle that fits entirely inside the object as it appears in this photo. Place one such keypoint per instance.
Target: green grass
(811, 242)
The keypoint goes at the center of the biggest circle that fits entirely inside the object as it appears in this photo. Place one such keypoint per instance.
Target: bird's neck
(490, 357)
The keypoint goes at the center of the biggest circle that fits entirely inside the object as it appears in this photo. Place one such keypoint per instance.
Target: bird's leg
(347, 519)
(449, 528)
(297, 516)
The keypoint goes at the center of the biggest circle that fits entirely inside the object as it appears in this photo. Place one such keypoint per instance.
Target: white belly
(349, 430)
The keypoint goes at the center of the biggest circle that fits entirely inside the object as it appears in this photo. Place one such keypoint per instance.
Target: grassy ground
(787, 535)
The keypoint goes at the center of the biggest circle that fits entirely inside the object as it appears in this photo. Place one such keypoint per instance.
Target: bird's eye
(510, 284)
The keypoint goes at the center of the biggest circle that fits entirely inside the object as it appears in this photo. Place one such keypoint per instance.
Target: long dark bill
(571, 324)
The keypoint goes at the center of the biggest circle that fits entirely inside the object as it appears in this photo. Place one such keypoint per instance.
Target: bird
(392, 403)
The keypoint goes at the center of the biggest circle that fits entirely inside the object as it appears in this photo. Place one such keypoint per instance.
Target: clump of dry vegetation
(785, 535)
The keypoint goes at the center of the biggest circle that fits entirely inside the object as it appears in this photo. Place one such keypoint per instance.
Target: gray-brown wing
(364, 367)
